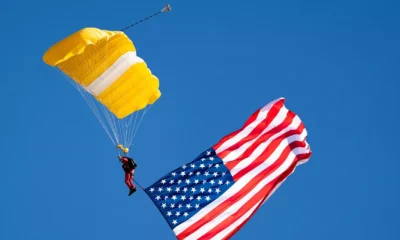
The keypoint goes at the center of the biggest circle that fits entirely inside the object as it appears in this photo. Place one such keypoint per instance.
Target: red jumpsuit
(128, 173)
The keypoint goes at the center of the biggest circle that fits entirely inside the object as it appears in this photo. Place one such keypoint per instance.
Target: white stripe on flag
(277, 120)
(226, 231)
(261, 116)
(263, 146)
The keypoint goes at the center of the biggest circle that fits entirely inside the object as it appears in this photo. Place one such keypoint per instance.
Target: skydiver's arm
(124, 160)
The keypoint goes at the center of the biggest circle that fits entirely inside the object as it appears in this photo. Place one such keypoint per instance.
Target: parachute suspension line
(166, 8)
(129, 123)
(111, 122)
(126, 128)
(130, 130)
(88, 100)
(92, 104)
(76, 86)
(136, 128)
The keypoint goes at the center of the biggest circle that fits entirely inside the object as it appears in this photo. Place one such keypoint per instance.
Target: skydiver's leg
(128, 180)
(132, 176)
(131, 186)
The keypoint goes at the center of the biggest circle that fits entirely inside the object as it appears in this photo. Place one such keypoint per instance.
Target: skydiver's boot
(132, 191)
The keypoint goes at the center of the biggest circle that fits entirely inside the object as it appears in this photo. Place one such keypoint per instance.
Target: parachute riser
(125, 150)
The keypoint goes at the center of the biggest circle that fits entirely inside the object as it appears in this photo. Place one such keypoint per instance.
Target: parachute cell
(106, 65)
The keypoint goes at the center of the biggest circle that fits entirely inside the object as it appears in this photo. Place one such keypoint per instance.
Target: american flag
(213, 196)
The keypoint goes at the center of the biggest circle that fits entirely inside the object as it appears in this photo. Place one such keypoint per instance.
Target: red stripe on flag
(273, 111)
(262, 125)
(263, 138)
(268, 152)
(252, 118)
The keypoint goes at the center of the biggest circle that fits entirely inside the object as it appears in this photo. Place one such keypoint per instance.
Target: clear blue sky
(336, 63)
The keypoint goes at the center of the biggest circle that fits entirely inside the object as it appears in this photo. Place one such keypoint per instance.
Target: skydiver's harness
(131, 164)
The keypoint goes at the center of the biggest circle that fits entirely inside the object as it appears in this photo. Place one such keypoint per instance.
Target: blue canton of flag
(183, 192)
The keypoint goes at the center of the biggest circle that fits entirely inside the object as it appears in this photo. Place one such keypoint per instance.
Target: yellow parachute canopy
(105, 64)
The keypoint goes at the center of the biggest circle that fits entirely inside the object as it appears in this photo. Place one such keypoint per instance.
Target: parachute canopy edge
(77, 42)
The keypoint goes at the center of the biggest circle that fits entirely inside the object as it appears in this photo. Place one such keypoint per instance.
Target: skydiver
(129, 165)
